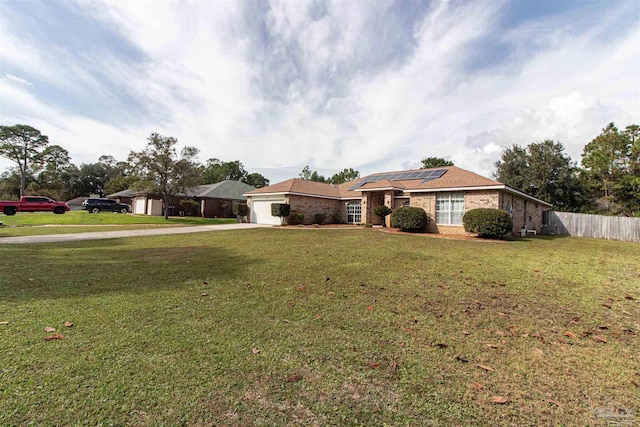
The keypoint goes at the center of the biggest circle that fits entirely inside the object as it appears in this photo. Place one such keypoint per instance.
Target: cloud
(278, 85)
(18, 80)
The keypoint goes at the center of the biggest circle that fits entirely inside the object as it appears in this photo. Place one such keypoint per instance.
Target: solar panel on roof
(435, 174)
(425, 175)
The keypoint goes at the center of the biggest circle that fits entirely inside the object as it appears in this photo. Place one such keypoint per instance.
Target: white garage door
(261, 212)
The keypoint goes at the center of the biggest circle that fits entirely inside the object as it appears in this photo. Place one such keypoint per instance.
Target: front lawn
(320, 327)
(27, 223)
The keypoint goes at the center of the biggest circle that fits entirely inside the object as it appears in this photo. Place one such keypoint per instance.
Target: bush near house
(295, 218)
(487, 222)
(240, 209)
(409, 218)
(382, 212)
(320, 217)
(337, 218)
(280, 210)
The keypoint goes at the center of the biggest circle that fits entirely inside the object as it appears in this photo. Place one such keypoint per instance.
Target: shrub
(409, 218)
(295, 218)
(492, 223)
(281, 210)
(382, 212)
(240, 209)
(336, 218)
(320, 217)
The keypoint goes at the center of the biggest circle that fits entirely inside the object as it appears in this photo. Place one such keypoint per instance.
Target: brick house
(444, 193)
(207, 201)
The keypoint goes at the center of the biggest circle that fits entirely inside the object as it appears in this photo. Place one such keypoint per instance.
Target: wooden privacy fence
(596, 226)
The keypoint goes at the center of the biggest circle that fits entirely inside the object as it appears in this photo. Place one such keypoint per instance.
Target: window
(449, 208)
(354, 213)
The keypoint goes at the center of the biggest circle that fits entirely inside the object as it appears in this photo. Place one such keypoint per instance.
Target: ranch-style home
(445, 193)
(207, 201)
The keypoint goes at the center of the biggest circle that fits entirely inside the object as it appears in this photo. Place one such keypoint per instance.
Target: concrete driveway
(97, 235)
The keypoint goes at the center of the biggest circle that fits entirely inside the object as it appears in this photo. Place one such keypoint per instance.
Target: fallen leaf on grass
(370, 307)
(204, 294)
(465, 332)
(317, 317)
(54, 337)
(68, 324)
(294, 378)
(630, 298)
(537, 351)
(486, 368)
(4, 323)
(492, 345)
(375, 365)
(499, 399)
(626, 312)
(255, 350)
(477, 385)
(554, 402)
(606, 304)
(300, 288)
(574, 320)
(49, 329)
(599, 339)
(286, 321)
(569, 334)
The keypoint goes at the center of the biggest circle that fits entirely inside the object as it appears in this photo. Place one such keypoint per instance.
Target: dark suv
(97, 205)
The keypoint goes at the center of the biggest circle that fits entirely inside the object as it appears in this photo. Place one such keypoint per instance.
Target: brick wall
(310, 206)
(524, 212)
(481, 199)
(372, 199)
(426, 201)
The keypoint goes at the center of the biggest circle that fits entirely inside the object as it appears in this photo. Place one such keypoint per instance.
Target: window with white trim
(354, 213)
(449, 208)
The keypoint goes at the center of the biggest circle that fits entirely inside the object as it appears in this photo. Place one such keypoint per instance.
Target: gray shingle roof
(228, 189)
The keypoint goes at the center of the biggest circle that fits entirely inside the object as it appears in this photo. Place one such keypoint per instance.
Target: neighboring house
(445, 193)
(210, 201)
(76, 204)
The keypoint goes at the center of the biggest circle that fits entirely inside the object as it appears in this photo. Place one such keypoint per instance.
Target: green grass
(375, 323)
(29, 223)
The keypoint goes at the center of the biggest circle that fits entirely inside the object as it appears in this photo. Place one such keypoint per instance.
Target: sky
(370, 85)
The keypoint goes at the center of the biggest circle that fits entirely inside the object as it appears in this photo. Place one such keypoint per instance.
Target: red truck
(33, 204)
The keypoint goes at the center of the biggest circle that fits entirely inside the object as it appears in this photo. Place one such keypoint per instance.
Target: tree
(216, 171)
(305, 174)
(382, 211)
(22, 144)
(309, 175)
(543, 171)
(435, 162)
(56, 170)
(160, 171)
(344, 176)
(612, 166)
(256, 180)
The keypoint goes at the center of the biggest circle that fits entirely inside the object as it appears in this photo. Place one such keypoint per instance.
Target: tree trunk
(165, 206)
